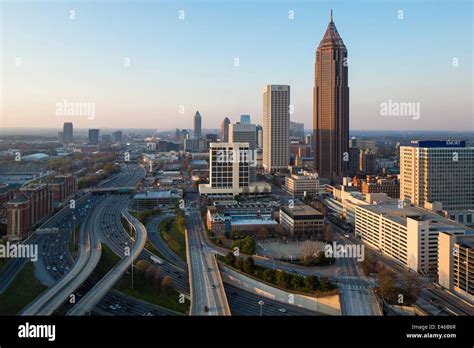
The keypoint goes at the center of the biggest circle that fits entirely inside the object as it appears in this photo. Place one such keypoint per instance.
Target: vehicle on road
(213, 286)
(206, 309)
(154, 259)
(283, 310)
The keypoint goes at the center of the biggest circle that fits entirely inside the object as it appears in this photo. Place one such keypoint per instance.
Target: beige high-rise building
(331, 106)
(276, 122)
(439, 171)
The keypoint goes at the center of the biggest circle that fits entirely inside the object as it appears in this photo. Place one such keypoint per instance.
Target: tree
(311, 283)
(308, 250)
(386, 285)
(157, 275)
(282, 279)
(141, 266)
(297, 282)
(239, 263)
(167, 285)
(269, 275)
(230, 258)
(249, 265)
(150, 272)
(157, 285)
(410, 285)
(262, 233)
(328, 233)
(325, 284)
(248, 246)
(369, 264)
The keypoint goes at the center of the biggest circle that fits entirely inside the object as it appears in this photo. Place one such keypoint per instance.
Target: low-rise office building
(233, 218)
(300, 185)
(155, 199)
(302, 220)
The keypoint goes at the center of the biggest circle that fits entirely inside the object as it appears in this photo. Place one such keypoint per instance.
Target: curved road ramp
(90, 300)
(89, 255)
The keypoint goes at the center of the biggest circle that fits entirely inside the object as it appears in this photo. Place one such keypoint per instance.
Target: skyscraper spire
(331, 106)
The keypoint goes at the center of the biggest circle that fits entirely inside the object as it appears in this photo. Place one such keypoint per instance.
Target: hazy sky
(189, 63)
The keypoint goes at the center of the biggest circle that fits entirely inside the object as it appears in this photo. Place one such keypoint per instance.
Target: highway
(87, 260)
(245, 303)
(157, 240)
(117, 238)
(208, 296)
(88, 302)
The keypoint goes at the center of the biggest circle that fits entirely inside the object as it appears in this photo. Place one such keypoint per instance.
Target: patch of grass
(150, 247)
(173, 235)
(107, 261)
(3, 262)
(74, 242)
(22, 290)
(143, 290)
(143, 216)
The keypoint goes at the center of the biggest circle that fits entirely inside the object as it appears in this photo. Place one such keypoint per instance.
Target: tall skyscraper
(117, 136)
(197, 125)
(439, 171)
(68, 133)
(276, 122)
(331, 106)
(225, 130)
(297, 130)
(245, 133)
(177, 135)
(245, 119)
(93, 136)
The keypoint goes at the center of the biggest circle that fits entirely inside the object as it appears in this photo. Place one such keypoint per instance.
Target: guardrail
(190, 274)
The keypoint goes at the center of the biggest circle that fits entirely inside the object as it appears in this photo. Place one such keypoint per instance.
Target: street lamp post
(261, 303)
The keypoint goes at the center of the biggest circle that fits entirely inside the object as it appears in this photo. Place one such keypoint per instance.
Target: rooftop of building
(302, 210)
(466, 241)
(400, 215)
(35, 157)
(156, 194)
(199, 162)
(254, 221)
(438, 143)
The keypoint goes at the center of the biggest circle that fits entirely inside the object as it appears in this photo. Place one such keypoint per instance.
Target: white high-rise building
(276, 121)
(245, 133)
(439, 171)
(229, 172)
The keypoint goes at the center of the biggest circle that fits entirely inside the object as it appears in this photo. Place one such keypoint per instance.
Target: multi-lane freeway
(88, 258)
(208, 296)
(88, 302)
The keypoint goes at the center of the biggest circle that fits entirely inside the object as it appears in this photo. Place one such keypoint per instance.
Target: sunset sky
(47, 57)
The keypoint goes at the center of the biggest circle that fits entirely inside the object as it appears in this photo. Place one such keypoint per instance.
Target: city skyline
(239, 66)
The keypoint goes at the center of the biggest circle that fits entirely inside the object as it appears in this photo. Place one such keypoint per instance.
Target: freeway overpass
(89, 301)
(115, 190)
(89, 254)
